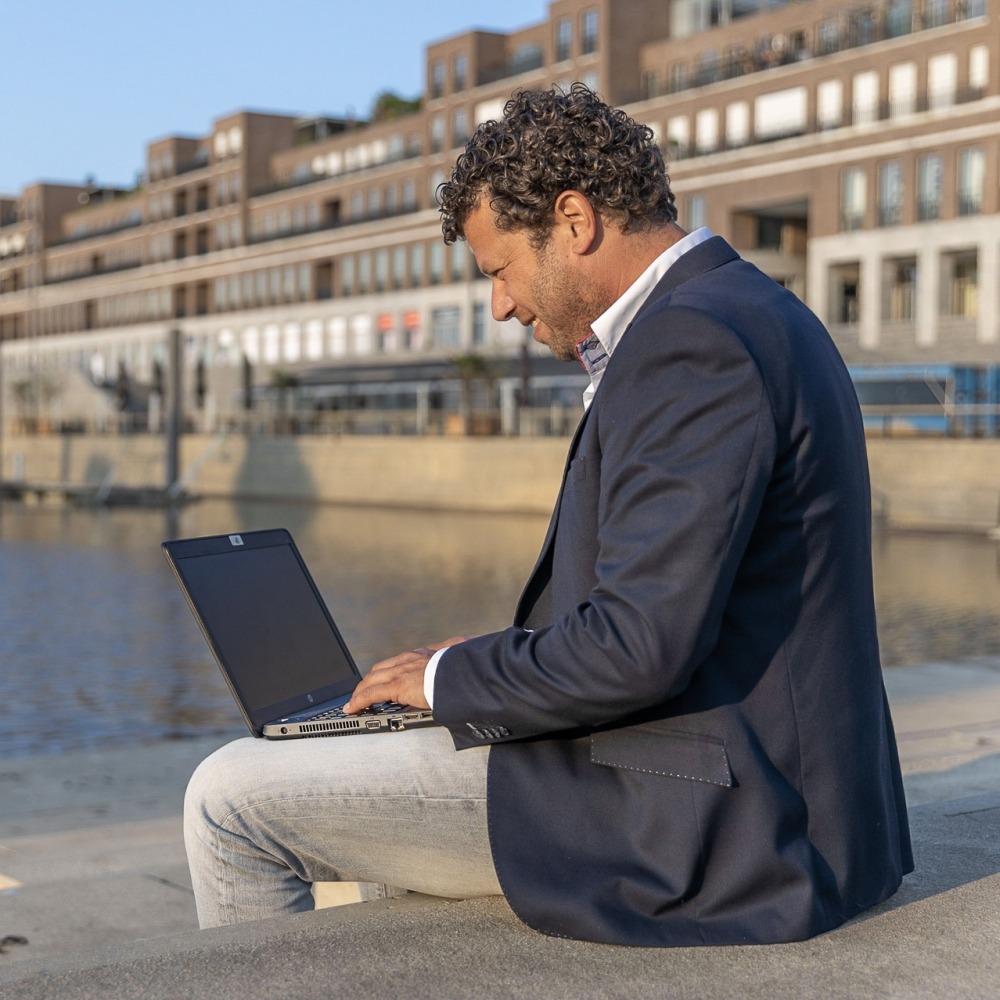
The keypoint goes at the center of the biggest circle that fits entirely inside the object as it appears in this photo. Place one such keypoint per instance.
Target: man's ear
(576, 221)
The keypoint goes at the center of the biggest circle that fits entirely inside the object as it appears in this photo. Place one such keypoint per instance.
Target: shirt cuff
(429, 672)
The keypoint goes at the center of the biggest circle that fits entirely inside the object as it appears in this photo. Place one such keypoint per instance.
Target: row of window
(891, 200)
(957, 288)
(358, 335)
(226, 143)
(787, 112)
(571, 37)
(410, 266)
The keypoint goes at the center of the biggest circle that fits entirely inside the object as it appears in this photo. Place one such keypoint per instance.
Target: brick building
(852, 152)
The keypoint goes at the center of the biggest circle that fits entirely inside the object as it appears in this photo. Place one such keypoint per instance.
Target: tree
(389, 105)
(472, 368)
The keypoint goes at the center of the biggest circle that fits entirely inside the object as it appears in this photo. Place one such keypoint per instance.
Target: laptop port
(373, 724)
(396, 724)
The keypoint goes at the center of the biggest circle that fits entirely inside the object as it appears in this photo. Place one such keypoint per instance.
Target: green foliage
(389, 105)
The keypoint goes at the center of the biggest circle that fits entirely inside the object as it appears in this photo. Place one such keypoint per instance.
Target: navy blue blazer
(692, 744)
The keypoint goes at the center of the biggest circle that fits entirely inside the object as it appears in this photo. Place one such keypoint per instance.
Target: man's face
(538, 288)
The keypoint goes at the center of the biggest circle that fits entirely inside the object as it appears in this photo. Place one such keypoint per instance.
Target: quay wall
(917, 483)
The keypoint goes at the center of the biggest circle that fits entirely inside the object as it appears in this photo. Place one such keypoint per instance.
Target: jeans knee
(213, 788)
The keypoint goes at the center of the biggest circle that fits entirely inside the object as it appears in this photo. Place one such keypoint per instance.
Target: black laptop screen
(269, 628)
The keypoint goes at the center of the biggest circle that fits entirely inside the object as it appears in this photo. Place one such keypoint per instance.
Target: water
(97, 647)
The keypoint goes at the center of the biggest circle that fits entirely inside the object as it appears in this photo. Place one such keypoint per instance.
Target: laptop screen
(266, 623)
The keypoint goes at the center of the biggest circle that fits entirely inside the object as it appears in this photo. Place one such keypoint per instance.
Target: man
(683, 739)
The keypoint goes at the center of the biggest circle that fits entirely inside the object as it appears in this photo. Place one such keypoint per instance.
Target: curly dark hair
(548, 142)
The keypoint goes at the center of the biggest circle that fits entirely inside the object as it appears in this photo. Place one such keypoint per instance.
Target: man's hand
(399, 678)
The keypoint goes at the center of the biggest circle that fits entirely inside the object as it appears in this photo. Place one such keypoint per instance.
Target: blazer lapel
(534, 605)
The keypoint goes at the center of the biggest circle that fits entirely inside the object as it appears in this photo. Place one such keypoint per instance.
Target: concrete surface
(96, 883)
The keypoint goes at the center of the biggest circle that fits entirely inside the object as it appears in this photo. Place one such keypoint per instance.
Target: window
(459, 72)
(678, 137)
(828, 37)
(899, 20)
(588, 32)
(437, 179)
(890, 193)
(960, 284)
(445, 327)
(971, 180)
(398, 267)
(782, 113)
(737, 124)
(416, 265)
(942, 74)
(437, 263)
(979, 69)
(437, 78)
(900, 289)
(695, 212)
(337, 332)
(382, 270)
(706, 130)
(459, 256)
(844, 293)
(437, 133)
(929, 187)
(479, 323)
(564, 39)
(347, 275)
(902, 89)
(830, 104)
(865, 98)
(935, 13)
(364, 273)
(853, 198)
(460, 127)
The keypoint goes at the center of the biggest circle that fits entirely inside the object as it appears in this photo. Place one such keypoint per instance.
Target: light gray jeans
(264, 820)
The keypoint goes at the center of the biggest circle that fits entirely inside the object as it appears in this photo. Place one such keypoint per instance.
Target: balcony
(862, 27)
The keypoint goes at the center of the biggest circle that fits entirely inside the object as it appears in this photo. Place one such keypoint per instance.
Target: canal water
(98, 648)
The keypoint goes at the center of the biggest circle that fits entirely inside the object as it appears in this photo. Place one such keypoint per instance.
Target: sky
(88, 85)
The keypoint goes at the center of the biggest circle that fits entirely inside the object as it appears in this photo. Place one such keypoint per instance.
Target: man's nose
(502, 304)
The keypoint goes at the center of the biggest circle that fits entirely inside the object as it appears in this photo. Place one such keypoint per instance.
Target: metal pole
(175, 393)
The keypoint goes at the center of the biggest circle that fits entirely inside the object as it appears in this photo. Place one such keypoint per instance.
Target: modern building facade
(852, 152)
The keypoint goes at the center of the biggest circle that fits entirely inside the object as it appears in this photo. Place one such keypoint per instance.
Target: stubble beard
(559, 289)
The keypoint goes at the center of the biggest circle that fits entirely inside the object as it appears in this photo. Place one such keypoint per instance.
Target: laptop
(274, 639)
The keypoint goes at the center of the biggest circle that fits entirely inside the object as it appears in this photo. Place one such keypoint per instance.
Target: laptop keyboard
(377, 709)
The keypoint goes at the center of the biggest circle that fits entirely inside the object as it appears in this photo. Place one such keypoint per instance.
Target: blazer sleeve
(655, 514)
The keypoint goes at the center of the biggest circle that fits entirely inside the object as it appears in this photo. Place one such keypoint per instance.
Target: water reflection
(938, 597)
(98, 647)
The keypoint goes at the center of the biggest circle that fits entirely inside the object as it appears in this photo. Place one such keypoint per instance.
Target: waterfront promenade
(96, 882)
(918, 483)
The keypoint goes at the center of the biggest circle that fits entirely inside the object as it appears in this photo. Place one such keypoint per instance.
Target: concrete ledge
(944, 484)
(936, 938)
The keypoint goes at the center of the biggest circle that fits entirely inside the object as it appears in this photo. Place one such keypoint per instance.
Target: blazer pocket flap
(656, 750)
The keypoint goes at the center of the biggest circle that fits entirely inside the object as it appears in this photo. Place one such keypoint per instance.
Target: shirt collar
(610, 326)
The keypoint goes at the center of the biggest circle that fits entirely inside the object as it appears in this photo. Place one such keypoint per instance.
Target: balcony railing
(859, 29)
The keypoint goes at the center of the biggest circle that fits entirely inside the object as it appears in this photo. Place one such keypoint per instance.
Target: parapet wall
(927, 484)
